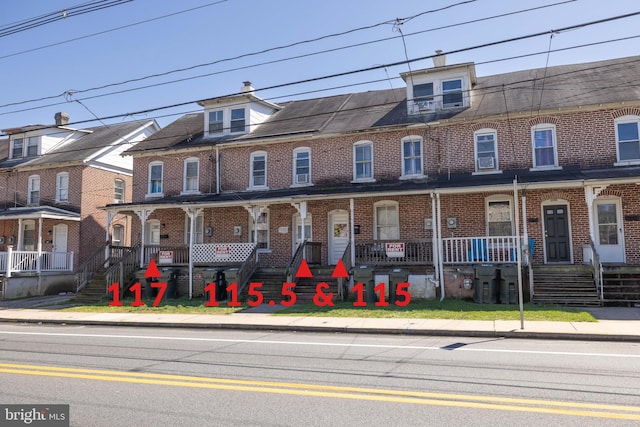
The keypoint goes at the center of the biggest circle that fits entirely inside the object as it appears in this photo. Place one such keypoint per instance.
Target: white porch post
(302, 211)
(107, 250)
(143, 214)
(9, 259)
(193, 214)
(39, 246)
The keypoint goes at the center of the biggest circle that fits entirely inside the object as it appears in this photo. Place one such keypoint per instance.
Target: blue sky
(114, 45)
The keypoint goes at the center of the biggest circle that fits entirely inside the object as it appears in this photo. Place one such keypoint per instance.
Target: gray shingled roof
(573, 85)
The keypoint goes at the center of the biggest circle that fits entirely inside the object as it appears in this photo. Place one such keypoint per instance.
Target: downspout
(439, 239)
(192, 229)
(217, 170)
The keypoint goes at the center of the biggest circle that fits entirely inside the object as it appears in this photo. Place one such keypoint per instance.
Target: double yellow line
(357, 393)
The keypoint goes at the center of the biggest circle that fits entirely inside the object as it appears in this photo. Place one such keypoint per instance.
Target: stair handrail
(348, 265)
(296, 260)
(246, 270)
(88, 268)
(596, 269)
(127, 264)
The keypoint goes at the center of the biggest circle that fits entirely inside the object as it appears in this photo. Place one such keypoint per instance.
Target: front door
(556, 233)
(609, 233)
(338, 235)
(60, 232)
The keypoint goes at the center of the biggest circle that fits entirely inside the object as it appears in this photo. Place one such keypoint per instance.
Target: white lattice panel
(221, 252)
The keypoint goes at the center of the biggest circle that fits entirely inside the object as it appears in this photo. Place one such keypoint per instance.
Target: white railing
(471, 250)
(34, 261)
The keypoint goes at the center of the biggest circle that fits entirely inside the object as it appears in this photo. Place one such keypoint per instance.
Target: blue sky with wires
(128, 59)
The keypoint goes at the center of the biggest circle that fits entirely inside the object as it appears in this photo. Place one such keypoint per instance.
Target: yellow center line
(397, 396)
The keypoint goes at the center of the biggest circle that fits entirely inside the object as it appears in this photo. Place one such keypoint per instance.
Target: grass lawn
(417, 309)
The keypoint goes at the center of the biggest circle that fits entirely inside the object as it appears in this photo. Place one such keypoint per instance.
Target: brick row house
(536, 168)
(54, 180)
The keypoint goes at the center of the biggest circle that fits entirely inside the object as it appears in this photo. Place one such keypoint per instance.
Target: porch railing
(125, 261)
(596, 269)
(34, 262)
(247, 269)
(469, 250)
(296, 260)
(373, 252)
(95, 262)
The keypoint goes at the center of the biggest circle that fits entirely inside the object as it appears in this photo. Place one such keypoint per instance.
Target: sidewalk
(614, 323)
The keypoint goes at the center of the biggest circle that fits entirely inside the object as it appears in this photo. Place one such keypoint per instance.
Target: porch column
(352, 237)
(143, 214)
(193, 214)
(302, 211)
(439, 240)
(39, 246)
(19, 242)
(434, 238)
(107, 249)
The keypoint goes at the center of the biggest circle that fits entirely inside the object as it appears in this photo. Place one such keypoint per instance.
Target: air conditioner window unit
(427, 104)
(302, 178)
(486, 163)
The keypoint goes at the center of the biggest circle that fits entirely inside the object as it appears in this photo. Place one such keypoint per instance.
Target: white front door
(338, 234)
(609, 234)
(60, 232)
(297, 230)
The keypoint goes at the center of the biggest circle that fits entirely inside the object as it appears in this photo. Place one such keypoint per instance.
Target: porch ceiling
(36, 212)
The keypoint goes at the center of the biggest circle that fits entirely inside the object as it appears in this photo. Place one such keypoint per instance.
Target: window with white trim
(262, 227)
(216, 121)
(237, 120)
(33, 195)
(628, 138)
(386, 220)
(258, 170)
(363, 161)
(486, 150)
(198, 236)
(499, 212)
(118, 190)
(62, 187)
(412, 156)
(152, 232)
(33, 146)
(545, 150)
(16, 150)
(191, 178)
(302, 166)
(28, 235)
(452, 93)
(155, 178)
(117, 235)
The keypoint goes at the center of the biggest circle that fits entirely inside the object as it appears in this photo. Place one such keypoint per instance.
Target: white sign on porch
(165, 257)
(394, 250)
(222, 252)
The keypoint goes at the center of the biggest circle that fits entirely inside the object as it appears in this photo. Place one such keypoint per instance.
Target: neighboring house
(54, 178)
(459, 170)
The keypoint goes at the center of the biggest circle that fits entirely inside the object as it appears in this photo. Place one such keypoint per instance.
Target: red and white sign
(395, 250)
(222, 251)
(165, 257)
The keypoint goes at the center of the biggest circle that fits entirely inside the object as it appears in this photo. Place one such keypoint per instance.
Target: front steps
(272, 280)
(564, 284)
(621, 284)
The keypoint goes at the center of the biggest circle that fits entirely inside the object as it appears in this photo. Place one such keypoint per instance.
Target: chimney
(439, 60)
(247, 88)
(62, 119)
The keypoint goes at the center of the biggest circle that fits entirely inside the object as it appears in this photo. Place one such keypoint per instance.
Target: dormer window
(452, 93)
(17, 148)
(423, 96)
(25, 147)
(215, 122)
(237, 120)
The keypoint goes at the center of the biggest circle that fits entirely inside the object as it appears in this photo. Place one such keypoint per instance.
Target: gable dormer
(439, 88)
(236, 114)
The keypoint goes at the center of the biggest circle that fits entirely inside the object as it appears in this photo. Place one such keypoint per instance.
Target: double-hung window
(198, 229)
(486, 150)
(237, 120)
(259, 231)
(387, 226)
(155, 179)
(62, 187)
(117, 235)
(34, 190)
(412, 156)
(191, 180)
(628, 138)
(452, 93)
(499, 216)
(302, 166)
(118, 191)
(216, 124)
(16, 152)
(544, 146)
(363, 161)
(33, 146)
(258, 170)
(152, 232)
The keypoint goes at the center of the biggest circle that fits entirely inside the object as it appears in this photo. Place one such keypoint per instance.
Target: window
(258, 170)
(423, 92)
(16, 153)
(152, 232)
(32, 146)
(215, 121)
(34, 191)
(628, 138)
(261, 228)
(155, 179)
(237, 120)
(363, 161)
(191, 175)
(199, 229)
(117, 235)
(412, 156)
(452, 93)
(29, 235)
(62, 187)
(386, 221)
(499, 216)
(118, 191)
(301, 166)
(486, 156)
(544, 146)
